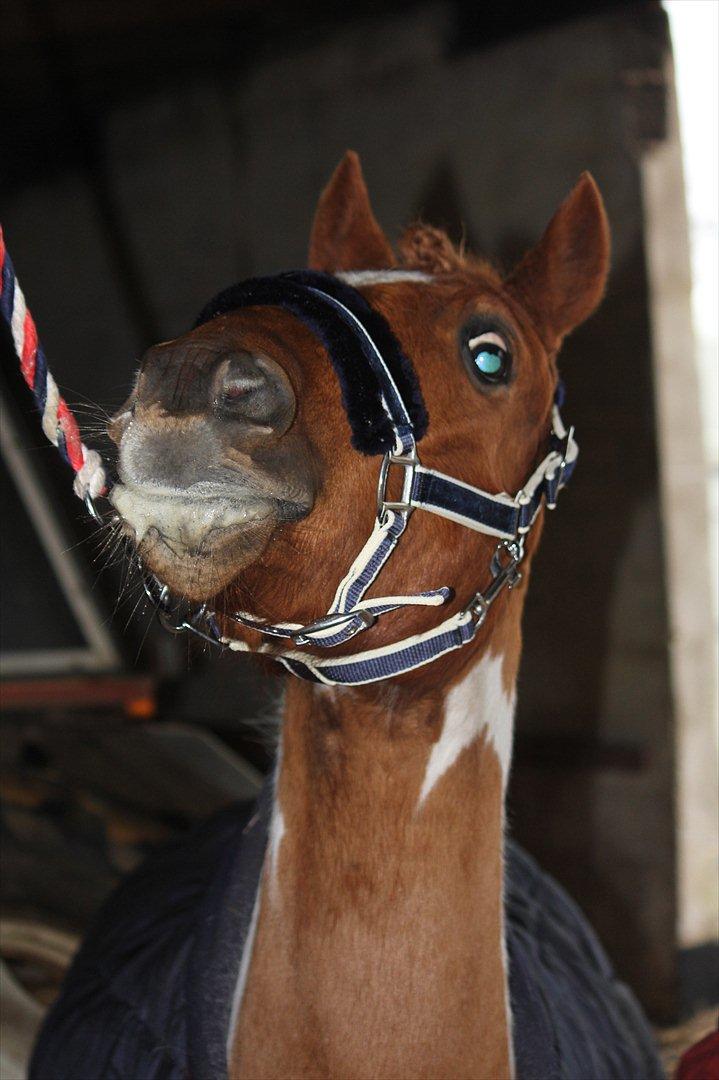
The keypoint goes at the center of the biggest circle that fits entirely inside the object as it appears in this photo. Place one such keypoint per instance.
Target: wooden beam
(134, 695)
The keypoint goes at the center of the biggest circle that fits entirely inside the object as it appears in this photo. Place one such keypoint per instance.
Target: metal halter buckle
(337, 618)
(564, 450)
(408, 462)
(503, 574)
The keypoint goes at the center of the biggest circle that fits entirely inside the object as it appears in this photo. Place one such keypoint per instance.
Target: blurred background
(155, 152)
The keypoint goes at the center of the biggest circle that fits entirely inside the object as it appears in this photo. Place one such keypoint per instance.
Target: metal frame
(100, 653)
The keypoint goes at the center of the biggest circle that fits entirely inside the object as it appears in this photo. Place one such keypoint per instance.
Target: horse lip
(186, 517)
(204, 490)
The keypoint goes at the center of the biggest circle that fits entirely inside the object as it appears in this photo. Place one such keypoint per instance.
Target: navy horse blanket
(149, 995)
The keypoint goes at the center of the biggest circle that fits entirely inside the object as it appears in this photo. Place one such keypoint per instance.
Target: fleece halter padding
(364, 352)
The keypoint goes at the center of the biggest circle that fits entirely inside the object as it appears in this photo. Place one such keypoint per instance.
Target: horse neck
(378, 948)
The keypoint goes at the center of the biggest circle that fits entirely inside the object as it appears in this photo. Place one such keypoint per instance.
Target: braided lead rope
(58, 423)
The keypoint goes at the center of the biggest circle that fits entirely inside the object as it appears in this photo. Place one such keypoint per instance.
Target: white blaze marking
(277, 832)
(479, 701)
(277, 828)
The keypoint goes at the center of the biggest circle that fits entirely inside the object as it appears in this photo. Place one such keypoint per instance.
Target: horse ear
(562, 279)
(345, 234)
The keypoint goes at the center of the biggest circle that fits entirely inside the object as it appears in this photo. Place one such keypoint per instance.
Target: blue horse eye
(489, 363)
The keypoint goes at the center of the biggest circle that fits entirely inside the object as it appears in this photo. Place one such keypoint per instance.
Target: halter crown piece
(383, 401)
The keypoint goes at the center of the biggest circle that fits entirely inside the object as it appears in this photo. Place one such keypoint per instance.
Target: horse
(369, 918)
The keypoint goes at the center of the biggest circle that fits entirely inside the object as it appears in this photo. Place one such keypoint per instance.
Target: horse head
(245, 480)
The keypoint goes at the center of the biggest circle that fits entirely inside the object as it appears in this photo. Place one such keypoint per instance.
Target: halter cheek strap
(347, 325)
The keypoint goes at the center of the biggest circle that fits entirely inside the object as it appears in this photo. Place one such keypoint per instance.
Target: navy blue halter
(387, 415)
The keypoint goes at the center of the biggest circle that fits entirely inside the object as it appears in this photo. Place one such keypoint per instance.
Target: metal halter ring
(170, 616)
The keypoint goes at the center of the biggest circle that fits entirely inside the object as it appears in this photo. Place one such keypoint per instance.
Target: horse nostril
(253, 389)
(238, 388)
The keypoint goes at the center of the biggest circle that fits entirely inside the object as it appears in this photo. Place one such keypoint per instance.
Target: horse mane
(429, 249)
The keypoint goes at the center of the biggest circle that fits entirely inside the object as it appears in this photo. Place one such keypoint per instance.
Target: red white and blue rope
(58, 423)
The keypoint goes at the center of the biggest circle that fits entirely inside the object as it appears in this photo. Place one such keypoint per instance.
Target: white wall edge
(686, 534)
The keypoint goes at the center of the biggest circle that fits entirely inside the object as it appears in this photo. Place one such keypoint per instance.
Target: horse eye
(489, 356)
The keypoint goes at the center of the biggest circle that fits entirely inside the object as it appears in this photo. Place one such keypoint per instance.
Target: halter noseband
(384, 405)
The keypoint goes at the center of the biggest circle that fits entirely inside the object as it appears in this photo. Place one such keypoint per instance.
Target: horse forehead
(427, 316)
(409, 300)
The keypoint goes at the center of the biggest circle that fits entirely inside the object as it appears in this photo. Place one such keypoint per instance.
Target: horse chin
(202, 572)
(195, 543)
